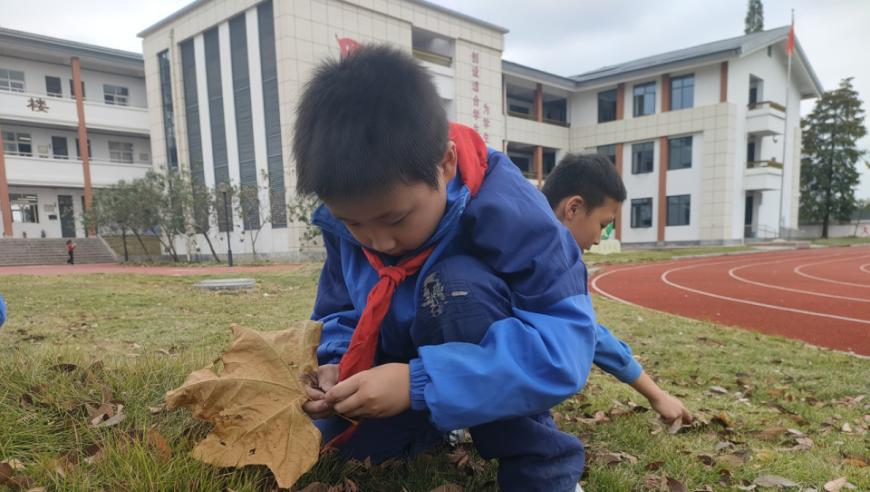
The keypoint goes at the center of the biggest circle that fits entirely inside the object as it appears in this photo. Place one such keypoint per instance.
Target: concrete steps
(44, 251)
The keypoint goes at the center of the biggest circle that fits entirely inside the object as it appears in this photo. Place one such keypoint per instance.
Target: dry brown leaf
(10, 478)
(675, 485)
(316, 487)
(772, 481)
(836, 484)
(160, 444)
(719, 389)
(654, 482)
(856, 462)
(157, 409)
(255, 403)
(676, 426)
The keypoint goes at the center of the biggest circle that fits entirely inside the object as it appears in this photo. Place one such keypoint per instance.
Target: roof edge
(171, 17)
(72, 45)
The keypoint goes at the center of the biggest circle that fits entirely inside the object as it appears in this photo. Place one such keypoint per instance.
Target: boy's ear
(575, 205)
(449, 162)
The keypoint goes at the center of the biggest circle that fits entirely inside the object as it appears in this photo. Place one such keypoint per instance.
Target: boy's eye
(397, 222)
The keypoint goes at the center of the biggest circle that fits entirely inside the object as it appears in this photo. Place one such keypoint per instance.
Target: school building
(698, 134)
(44, 179)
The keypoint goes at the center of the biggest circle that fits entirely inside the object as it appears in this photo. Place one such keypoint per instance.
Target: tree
(204, 206)
(117, 208)
(754, 21)
(829, 171)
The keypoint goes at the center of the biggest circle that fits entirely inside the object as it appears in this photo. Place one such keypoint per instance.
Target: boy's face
(400, 219)
(586, 225)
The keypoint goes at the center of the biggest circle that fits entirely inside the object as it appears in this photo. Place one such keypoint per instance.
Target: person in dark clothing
(71, 249)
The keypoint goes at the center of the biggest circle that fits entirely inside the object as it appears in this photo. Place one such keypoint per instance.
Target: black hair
(592, 176)
(366, 123)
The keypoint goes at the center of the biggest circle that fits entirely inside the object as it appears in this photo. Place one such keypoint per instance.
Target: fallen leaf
(655, 465)
(771, 481)
(846, 428)
(10, 478)
(719, 389)
(255, 403)
(14, 464)
(707, 459)
(705, 488)
(724, 419)
(36, 489)
(64, 367)
(836, 484)
(160, 444)
(856, 462)
(675, 485)
(676, 426)
(315, 487)
(654, 482)
(772, 432)
(158, 409)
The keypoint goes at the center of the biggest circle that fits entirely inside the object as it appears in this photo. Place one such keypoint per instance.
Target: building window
(17, 143)
(679, 153)
(25, 208)
(678, 210)
(683, 92)
(642, 158)
(121, 152)
(645, 99)
(168, 110)
(607, 106)
(608, 151)
(53, 86)
(116, 95)
(11, 80)
(79, 152)
(59, 149)
(72, 93)
(271, 104)
(756, 90)
(641, 213)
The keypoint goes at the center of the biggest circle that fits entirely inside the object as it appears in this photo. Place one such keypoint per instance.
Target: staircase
(15, 251)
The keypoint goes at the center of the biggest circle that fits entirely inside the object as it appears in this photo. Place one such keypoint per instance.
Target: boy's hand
(671, 408)
(381, 391)
(316, 386)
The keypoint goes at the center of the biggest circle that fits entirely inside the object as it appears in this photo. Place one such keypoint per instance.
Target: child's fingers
(344, 389)
(314, 393)
(317, 409)
(352, 406)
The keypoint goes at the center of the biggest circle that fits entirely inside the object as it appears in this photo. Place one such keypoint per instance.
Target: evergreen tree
(754, 17)
(829, 171)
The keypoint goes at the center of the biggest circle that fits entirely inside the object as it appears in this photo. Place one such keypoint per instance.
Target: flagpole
(789, 51)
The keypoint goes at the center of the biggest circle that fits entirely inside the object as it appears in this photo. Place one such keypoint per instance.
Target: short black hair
(367, 122)
(591, 176)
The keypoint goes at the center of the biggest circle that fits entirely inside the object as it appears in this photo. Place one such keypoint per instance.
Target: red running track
(820, 296)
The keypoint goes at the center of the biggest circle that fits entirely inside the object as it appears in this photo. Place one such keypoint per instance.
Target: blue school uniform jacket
(526, 363)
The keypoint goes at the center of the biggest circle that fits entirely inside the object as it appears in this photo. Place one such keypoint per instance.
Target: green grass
(131, 322)
(646, 255)
(843, 241)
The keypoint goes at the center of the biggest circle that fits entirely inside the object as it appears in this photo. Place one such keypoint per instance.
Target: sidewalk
(50, 270)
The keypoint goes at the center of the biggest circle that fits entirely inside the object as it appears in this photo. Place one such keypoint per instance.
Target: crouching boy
(450, 297)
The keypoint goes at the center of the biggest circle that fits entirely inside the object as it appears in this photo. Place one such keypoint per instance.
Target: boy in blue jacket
(451, 297)
(586, 192)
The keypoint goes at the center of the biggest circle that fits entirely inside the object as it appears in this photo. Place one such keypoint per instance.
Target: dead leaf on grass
(836, 484)
(719, 389)
(160, 444)
(675, 485)
(772, 481)
(255, 403)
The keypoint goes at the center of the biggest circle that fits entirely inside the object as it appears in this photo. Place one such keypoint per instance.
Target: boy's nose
(384, 244)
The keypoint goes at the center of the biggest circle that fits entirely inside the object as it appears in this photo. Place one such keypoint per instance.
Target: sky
(565, 37)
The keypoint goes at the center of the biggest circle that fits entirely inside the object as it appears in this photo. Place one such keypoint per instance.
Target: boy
(450, 297)
(585, 192)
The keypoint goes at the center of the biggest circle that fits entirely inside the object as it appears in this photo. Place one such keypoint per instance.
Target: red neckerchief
(471, 161)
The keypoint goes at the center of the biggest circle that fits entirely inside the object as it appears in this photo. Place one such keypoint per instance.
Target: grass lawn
(843, 241)
(769, 406)
(661, 254)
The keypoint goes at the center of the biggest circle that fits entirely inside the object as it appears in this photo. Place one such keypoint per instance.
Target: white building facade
(42, 175)
(697, 134)
(224, 77)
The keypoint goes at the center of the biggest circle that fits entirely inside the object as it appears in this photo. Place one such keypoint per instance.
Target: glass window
(607, 106)
(79, 152)
(678, 210)
(645, 99)
(25, 208)
(11, 80)
(683, 92)
(53, 86)
(168, 109)
(679, 153)
(121, 152)
(17, 143)
(641, 213)
(72, 94)
(608, 151)
(59, 148)
(115, 94)
(642, 158)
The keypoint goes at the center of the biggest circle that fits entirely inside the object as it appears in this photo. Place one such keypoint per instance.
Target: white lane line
(664, 278)
(865, 268)
(798, 271)
(733, 274)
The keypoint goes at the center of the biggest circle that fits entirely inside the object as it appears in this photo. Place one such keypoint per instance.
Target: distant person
(71, 250)
(586, 192)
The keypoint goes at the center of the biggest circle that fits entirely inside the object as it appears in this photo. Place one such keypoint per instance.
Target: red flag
(789, 48)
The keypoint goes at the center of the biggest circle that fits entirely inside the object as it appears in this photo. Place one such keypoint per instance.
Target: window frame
(683, 90)
(605, 151)
(680, 202)
(24, 213)
(10, 84)
(119, 155)
(14, 139)
(72, 94)
(638, 219)
(615, 93)
(643, 91)
(635, 159)
(672, 166)
(116, 95)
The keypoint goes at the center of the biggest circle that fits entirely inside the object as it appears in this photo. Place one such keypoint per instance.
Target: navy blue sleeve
(614, 357)
(2, 311)
(333, 306)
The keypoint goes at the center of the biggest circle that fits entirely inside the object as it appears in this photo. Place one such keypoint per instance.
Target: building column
(620, 101)
(539, 102)
(618, 164)
(539, 165)
(666, 93)
(5, 205)
(83, 137)
(723, 82)
(663, 189)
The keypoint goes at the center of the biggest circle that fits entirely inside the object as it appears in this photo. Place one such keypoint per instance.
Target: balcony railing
(771, 104)
(761, 164)
(48, 110)
(47, 171)
(530, 117)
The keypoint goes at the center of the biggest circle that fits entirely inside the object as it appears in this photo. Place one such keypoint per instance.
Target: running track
(820, 296)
